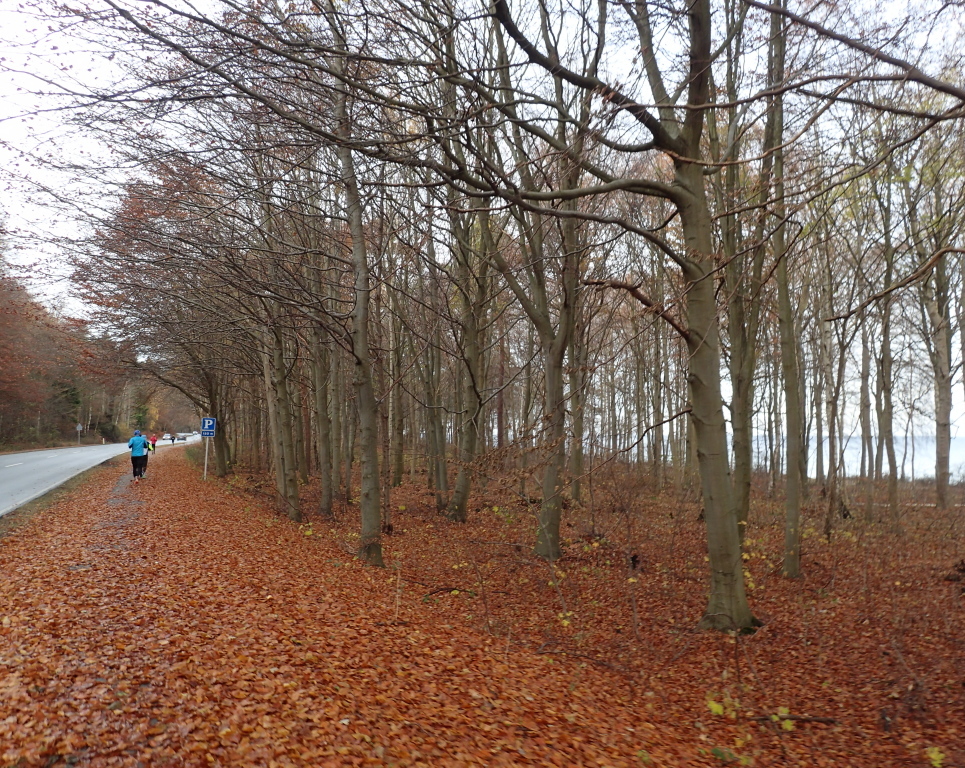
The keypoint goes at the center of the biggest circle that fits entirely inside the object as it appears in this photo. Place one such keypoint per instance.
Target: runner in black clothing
(138, 445)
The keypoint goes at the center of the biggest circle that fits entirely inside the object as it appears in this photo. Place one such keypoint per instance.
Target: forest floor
(179, 622)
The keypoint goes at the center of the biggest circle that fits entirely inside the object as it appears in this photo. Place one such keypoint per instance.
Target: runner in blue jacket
(139, 446)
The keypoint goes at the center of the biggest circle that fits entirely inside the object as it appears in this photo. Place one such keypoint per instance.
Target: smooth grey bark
(538, 304)
(283, 406)
(803, 300)
(662, 367)
(742, 274)
(777, 456)
(320, 367)
(501, 395)
(472, 285)
(578, 382)
(831, 387)
(336, 398)
(222, 453)
(472, 239)
(727, 605)
(396, 404)
(386, 462)
(961, 311)
(885, 371)
(935, 294)
(791, 567)
(275, 452)
(817, 404)
(525, 425)
(550, 515)
(941, 211)
(430, 372)
(370, 542)
(298, 431)
(280, 423)
(864, 411)
(790, 375)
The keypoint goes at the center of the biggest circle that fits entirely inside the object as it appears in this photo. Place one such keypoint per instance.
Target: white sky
(33, 128)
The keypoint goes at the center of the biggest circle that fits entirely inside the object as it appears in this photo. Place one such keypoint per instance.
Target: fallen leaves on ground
(179, 622)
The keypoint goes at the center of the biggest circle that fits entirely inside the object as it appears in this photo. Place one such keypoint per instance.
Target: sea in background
(915, 456)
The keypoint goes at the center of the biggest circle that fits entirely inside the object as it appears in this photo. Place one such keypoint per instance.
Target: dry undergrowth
(184, 623)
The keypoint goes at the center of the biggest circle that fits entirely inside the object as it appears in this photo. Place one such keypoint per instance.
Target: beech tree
(368, 178)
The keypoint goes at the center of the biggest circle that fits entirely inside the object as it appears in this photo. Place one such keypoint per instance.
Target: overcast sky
(34, 129)
(33, 125)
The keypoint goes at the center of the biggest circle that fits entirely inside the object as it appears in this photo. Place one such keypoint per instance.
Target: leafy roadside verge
(167, 624)
(180, 622)
(19, 517)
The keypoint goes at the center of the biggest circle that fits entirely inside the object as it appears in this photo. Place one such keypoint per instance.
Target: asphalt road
(26, 476)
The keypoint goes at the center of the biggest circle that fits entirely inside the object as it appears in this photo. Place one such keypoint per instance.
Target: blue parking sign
(208, 426)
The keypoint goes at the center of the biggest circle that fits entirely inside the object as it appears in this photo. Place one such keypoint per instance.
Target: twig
(799, 718)
(482, 592)
(446, 589)
(398, 592)
(658, 309)
(918, 274)
(606, 664)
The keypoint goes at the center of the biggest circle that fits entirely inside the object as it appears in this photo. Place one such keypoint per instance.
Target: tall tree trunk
(885, 372)
(525, 438)
(661, 366)
(787, 329)
(222, 454)
(298, 432)
(336, 400)
(936, 306)
(323, 425)
(554, 414)
(274, 435)
(396, 404)
(793, 414)
(281, 400)
(742, 273)
(473, 285)
(440, 469)
(370, 544)
(501, 395)
(867, 442)
(817, 404)
(727, 606)
(831, 403)
(578, 380)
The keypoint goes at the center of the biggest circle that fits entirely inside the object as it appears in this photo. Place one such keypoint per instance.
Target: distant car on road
(166, 436)
(182, 435)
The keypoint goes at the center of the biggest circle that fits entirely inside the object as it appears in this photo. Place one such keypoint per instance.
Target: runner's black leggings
(139, 464)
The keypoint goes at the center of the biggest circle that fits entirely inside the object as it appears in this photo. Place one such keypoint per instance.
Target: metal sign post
(208, 427)
(80, 428)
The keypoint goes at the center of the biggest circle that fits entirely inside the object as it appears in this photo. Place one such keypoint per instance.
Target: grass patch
(195, 454)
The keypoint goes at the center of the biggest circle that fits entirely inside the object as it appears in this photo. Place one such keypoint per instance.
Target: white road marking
(14, 465)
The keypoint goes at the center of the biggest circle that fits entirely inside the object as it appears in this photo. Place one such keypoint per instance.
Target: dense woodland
(57, 373)
(53, 374)
(530, 245)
